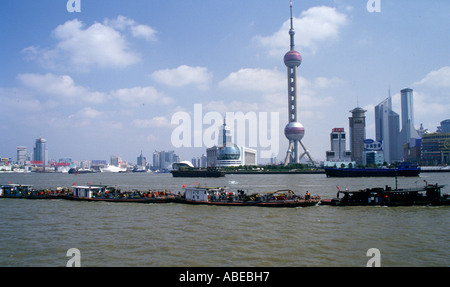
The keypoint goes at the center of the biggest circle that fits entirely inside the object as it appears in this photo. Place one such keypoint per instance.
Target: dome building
(226, 153)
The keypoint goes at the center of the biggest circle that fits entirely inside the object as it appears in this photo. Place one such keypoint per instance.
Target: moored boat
(405, 170)
(222, 197)
(427, 195)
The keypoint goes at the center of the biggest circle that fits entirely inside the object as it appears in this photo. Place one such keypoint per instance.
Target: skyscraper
(338, 150)
(357, 124)
(40, 152)
(408, 131)
(294, 130)
(387, 129)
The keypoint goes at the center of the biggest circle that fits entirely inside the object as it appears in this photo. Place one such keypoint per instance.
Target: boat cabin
(207, 193)
(87, 191)
(15, 190)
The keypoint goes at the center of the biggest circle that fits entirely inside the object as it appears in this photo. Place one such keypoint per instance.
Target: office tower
(22, 155)
(294, 130)
(40, 152)
(387, 130)
(141, 160)
(357, 124)
(338, 150)
(408, 131)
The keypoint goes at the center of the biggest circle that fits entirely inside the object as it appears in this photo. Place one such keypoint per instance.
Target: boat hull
(376, 172)
(274, 204)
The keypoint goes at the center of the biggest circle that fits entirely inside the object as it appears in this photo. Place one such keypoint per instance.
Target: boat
(198, 172)
(15, 190)
(406, 170)
(222, 197)
(80, 171)
(113, 169)
(427, 195)
(112, 194)
(28, 192)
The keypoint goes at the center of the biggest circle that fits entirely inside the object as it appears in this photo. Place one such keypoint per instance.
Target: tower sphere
(294, 131)
(292, 59)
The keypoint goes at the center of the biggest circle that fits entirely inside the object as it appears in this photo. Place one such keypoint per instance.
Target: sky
(117, 77)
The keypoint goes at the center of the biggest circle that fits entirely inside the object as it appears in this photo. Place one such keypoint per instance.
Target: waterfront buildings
(357, 123)
(435, 149)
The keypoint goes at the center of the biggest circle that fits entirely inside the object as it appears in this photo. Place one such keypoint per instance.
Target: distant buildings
(163, 160)
(435, 149)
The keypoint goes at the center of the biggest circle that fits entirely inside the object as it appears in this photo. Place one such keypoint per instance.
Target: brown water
(39, 233)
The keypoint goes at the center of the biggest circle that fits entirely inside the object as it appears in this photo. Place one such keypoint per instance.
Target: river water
(39, 233)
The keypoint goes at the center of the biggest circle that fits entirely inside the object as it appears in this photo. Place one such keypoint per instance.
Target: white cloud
(137, 30)
(99, 45)
(156, 122)
(260, 80)
(60, 88)
(437, 79)
(315, 25)
(184, 76)
(141, 95)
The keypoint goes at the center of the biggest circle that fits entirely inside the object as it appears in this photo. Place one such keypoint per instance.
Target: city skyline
(92, 97)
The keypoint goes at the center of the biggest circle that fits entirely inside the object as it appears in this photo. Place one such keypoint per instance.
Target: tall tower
(357, 123)
(294, 130)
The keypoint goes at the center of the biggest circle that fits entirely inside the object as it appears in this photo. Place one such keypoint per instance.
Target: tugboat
(112, 194)
(222, 197)
(427, 195)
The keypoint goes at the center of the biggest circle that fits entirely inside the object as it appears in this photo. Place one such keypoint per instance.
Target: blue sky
(108, 80)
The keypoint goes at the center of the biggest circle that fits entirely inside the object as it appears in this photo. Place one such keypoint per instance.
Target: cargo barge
(403, 170)
(221, 197)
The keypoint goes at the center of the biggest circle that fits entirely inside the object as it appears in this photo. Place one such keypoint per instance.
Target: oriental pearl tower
(294, 130)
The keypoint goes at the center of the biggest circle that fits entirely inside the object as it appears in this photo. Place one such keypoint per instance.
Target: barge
(221, 197)
(112, 194)
(28, 192)
(198, 172)
(405, 170)
(427, 195)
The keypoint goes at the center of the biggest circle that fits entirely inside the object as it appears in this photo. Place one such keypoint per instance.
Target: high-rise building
(141, 160)
(294, 130)
(338, 152)
(408, 131)
(357, 124)
(40, 152)
(387, 130)
(22, 155)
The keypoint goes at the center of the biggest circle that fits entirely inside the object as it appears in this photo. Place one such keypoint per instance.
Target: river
(39, 233)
